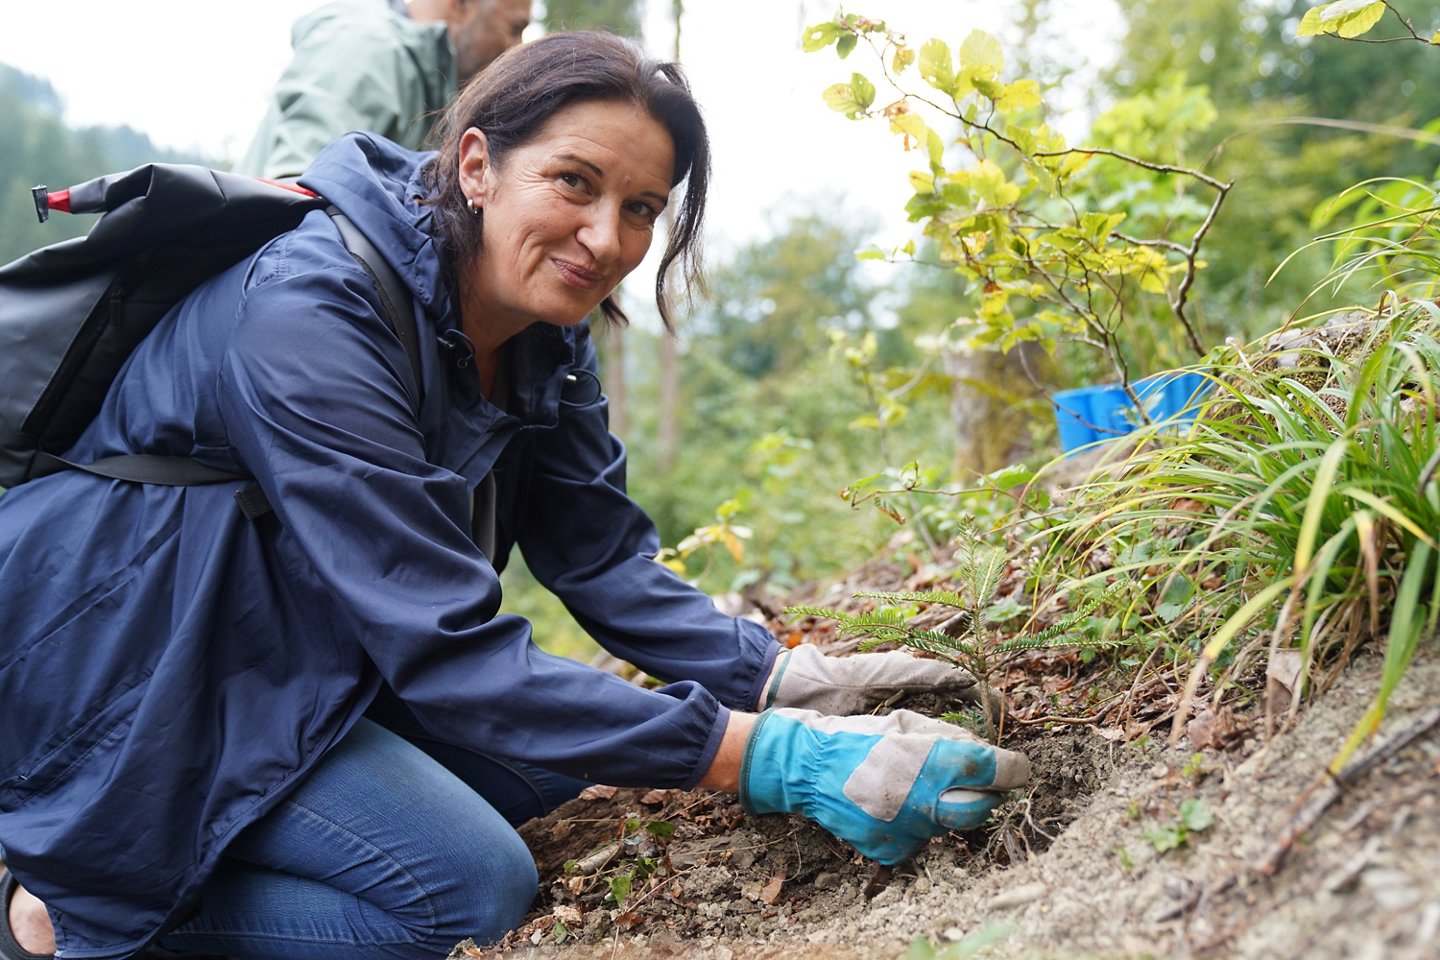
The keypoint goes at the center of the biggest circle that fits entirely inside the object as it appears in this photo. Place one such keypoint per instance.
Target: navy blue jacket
(168, 669)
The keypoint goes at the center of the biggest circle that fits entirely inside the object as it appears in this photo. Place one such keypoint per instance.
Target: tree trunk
(611, 344)
(986, 417)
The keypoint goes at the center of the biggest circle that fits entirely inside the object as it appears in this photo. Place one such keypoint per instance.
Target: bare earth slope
(1364, 882)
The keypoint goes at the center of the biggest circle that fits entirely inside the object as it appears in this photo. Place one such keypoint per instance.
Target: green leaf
(1004, 610)
(619, 888)
(980, 49)
(920, 949)
(936, 66)
(822, 35)
(1315, 503)
(923, 206)
(872, 254)
(660, 828)
(864, 90)
(846, 44)
(973, 944)
(1194, 817)
(1164, 839)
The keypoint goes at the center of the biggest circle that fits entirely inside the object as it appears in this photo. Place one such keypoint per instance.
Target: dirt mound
(1114, 851)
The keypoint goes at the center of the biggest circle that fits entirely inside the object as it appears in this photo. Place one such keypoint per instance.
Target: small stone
(953, 933)
(1392, 889)
(1019, 896)
(826, 880)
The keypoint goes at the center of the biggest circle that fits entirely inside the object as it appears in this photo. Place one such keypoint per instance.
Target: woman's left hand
(807, 679)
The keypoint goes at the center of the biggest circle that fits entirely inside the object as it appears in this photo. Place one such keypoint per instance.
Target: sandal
(9, 948)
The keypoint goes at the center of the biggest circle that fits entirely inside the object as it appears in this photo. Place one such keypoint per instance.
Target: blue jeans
(381, 852)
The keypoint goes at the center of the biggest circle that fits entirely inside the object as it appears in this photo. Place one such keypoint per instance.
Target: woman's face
(567, 214)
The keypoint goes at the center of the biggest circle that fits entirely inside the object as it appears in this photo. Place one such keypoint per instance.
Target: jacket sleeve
(314, 402)
(598, 556)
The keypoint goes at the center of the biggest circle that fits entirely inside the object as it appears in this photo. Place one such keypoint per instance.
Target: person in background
(309, 736)
(382, 66)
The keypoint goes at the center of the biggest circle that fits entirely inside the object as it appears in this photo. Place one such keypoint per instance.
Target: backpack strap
(184, 472)
(394, 296)
(139, 468)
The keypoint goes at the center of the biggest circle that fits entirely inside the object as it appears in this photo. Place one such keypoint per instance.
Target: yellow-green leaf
(1073, 164)
(910, 124)
(842, 99)
(936, 147)
(1351, 18)
(821, 36)
(1242, 617)
(922, 182)
(1310, 23)
(904, 56)
(1020, 95)
(936, 66)
(1346, 18)
(872, 254)
(980, 49)
(988, 182)
(1152, 282)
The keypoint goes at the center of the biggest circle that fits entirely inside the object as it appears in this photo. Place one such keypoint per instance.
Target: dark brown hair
(513, 97)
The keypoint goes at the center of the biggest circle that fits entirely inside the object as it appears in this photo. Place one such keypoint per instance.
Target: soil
(1091, 862)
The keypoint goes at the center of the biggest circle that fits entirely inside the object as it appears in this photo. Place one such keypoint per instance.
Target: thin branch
(1138, 162)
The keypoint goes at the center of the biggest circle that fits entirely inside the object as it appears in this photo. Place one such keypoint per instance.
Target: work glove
(807, 679)
(884, 784)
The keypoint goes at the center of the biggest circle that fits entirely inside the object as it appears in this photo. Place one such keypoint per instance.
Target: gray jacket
(358, 65)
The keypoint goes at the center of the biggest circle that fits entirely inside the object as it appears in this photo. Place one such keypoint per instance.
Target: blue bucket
(1089, 415)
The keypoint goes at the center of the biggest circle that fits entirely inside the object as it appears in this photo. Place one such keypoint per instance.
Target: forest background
(807, 379)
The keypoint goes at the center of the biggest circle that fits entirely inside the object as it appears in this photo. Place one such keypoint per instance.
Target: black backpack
(72, 312)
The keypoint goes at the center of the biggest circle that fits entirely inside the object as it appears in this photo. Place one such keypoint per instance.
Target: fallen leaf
(1282, 672)
(655, 798)
(569, 914)
(771, 893)
(598, 791)
(1212, 729)
(629, 920)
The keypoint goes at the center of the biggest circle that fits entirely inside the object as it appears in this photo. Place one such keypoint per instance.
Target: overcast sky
(193, 73)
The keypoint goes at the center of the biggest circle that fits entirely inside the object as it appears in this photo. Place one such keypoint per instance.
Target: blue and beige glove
(885, 784)
(807, 679)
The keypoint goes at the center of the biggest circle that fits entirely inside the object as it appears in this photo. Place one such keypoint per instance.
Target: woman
(308, 735)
